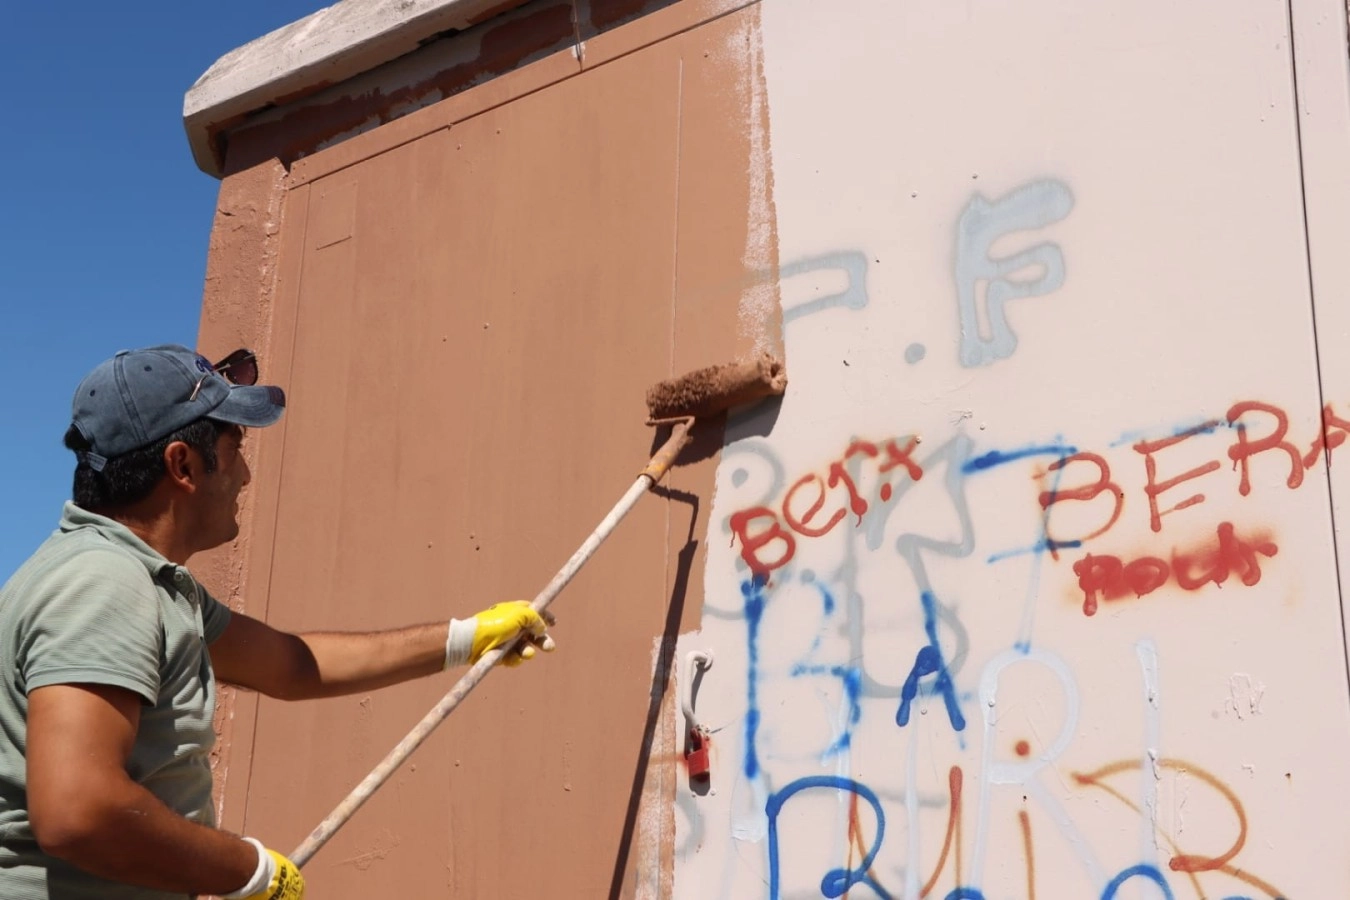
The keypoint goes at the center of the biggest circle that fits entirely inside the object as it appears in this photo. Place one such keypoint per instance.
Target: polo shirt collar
(75, 518)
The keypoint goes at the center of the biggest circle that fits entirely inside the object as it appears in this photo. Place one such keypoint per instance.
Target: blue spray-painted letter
(929, 662)
(836, 882)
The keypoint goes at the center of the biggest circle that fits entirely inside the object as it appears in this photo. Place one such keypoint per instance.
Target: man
(110, 649)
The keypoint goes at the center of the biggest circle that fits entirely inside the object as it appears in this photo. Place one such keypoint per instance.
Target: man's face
(219, 498)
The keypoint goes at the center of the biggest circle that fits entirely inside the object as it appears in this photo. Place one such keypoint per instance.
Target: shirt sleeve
(215, 616)
(93, 620)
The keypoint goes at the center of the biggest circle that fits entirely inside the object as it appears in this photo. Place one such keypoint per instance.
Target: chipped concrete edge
(324, 48)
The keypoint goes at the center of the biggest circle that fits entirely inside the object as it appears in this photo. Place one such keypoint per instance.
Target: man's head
(166, 419)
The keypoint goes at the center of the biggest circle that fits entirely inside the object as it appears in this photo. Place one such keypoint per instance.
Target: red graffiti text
(1110, 578)
(767, 545)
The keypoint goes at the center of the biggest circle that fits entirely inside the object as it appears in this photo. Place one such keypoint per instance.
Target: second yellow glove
(276, 878)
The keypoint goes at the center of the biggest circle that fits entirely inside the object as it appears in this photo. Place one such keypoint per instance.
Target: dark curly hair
(129, 478)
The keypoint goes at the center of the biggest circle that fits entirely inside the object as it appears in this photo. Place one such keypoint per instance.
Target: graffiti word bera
(771, 545)
(1270, 422)
(1109, 578)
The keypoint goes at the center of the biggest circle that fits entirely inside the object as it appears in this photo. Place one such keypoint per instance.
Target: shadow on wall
(706, 435)
(670, 634)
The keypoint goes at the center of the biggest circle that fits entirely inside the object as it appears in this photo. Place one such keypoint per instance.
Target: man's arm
(254, 655)
(86, 810)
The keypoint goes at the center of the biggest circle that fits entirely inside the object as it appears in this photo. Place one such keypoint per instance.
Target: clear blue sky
(104, 218)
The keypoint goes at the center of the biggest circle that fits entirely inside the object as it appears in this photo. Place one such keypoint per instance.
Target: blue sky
(104, 217)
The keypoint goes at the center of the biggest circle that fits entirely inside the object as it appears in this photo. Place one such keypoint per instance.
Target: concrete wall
(1027, 588)
(466, 307)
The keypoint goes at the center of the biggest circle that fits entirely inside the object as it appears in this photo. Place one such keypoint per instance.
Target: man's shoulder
(72, 556)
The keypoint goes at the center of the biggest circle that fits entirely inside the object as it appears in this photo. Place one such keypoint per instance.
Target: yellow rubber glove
(500, 625)
(276, 878)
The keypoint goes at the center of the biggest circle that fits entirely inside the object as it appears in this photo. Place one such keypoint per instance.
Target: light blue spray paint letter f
(1031, 206)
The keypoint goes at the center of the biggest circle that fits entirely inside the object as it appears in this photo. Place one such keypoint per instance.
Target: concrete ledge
(322, 49)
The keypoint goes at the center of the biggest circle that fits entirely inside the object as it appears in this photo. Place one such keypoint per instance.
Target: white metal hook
(703, 659)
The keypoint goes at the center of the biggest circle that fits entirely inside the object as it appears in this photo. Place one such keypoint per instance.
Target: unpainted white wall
(1031, 589)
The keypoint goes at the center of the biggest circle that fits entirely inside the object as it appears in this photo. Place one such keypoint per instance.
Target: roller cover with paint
(715, 389)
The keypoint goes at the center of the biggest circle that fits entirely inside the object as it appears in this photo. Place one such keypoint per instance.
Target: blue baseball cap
(140, 396)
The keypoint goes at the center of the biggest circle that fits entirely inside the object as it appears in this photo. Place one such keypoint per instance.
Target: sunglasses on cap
(240, 367)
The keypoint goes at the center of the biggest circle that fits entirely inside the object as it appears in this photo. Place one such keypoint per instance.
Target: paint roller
(676, 402)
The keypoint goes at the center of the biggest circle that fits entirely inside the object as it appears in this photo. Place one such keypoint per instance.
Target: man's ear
(182, 465)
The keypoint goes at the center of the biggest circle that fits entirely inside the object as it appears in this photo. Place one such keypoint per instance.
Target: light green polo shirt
(96, 605)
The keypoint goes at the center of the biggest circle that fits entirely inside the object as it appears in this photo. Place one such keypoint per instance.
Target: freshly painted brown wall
(465, 307)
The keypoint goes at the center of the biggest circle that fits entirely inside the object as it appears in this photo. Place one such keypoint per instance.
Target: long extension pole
(654, 472)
